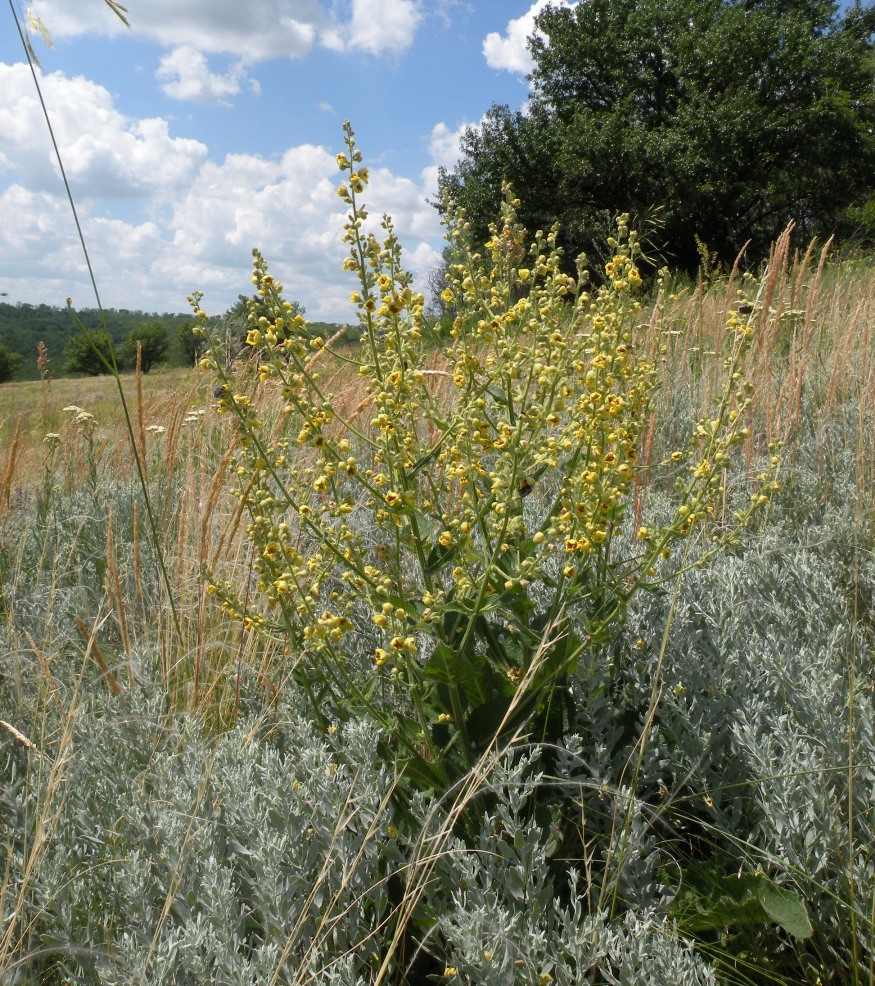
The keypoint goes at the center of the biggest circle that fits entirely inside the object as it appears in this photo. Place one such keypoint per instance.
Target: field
(196, 789)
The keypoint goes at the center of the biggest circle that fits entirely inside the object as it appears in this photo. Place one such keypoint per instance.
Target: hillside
(23, 326)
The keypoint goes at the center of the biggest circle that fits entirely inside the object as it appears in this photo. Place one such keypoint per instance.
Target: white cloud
(510, 51)
(444, 151)
(106, 155)
(161, 219)
(253, 32)
(186, 75)
(383, 25)
(451, 12)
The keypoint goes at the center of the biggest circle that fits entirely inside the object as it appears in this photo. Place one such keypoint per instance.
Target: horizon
(201, 134)
(197, 136)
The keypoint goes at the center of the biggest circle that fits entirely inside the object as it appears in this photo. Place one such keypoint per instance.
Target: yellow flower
(380, 657)
(253, 337)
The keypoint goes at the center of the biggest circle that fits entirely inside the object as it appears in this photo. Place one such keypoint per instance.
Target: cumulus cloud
(510, 51)
(186, 75)
(444, 150)
(252, 32)
(382, 25)
(106, 155)
(161, 218)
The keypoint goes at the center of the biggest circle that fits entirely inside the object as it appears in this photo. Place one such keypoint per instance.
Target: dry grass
(814, 347)
(31, 409)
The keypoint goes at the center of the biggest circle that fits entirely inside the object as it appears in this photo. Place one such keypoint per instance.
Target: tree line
(119, 337)
(714, 122)
(165, 337)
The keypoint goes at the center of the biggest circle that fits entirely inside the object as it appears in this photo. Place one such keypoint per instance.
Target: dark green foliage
(730, 119)
(188, 344)
(153, 344)
(9, 363)
(861, 223)
(89, 354)
(22, 326)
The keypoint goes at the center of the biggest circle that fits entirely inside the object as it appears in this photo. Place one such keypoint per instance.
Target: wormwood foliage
(437, 564)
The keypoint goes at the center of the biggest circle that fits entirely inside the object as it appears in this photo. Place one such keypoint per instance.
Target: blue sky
(211, 127)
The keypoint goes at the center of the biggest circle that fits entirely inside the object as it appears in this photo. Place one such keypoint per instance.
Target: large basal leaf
(713, 902)
(457, 667)
(785, 908)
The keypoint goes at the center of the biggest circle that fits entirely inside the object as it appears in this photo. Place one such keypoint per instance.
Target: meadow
(269, 718)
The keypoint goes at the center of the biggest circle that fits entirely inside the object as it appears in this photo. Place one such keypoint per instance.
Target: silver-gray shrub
(766, 711)
(181, 857)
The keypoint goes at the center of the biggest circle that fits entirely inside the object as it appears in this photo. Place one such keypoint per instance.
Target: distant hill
(22, 326)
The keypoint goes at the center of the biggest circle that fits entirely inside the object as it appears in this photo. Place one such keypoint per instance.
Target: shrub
(442, 568)
(189, 344)
(90, 353)
(151, 337)
(9, 363)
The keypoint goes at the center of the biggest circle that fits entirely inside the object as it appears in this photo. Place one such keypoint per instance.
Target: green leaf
(429, 457)
(498, 394)
(785, 907)
(454, 667)
(719, 901)
(484, 722)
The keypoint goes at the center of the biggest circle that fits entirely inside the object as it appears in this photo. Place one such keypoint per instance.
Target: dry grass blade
(18, 735)
(92, 647)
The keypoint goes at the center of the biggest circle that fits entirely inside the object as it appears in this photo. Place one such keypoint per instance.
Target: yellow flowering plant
(439, 563)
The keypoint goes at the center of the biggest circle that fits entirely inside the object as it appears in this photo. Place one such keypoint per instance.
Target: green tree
(188, 343)
(153, 342)
(9, 363)
(730, 118)
(83, 353)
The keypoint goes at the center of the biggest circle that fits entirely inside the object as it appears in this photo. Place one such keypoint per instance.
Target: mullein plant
(440, 565)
